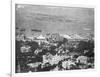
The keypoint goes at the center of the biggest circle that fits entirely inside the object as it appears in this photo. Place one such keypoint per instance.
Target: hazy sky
(55, 19)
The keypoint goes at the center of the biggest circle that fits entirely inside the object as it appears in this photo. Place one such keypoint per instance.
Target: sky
(54, 19)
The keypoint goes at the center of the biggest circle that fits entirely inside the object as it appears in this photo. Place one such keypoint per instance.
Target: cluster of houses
(51, 52)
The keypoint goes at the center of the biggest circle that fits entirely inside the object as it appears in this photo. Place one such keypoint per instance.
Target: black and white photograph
(53, 38)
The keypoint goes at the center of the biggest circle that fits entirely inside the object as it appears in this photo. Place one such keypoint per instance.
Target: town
(53, 52)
